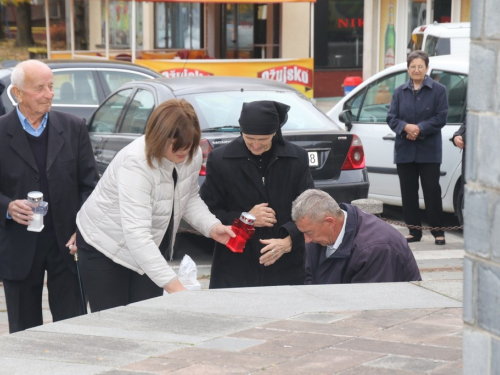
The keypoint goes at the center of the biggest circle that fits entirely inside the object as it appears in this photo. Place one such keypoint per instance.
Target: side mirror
(346, 118)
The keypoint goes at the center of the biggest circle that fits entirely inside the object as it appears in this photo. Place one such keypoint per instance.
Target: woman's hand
(274, 249)
(174, 287)
(412, 131)
(222, 233)
(264, 215)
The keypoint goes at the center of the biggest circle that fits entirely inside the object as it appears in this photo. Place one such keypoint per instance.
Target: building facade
(342, 37)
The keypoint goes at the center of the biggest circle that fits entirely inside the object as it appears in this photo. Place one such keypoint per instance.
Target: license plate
(313, 159)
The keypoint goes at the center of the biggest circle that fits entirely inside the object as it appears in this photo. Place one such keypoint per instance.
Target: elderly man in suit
(46, 151)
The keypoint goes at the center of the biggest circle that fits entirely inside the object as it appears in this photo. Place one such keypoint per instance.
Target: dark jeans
(108, 284)
(24, 297)
(409, 174)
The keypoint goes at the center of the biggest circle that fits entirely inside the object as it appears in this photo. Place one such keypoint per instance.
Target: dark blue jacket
(371, 252)
(428, 109)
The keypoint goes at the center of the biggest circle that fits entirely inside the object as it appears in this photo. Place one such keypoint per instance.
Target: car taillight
(206, 147)
(355, 156)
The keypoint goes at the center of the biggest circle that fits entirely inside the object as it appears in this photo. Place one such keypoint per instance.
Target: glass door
(238, 33)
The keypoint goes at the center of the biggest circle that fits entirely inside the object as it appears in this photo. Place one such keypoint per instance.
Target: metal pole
(133, 36)
(106, 12)
(47, 27)
(72, 25)
(311, 26)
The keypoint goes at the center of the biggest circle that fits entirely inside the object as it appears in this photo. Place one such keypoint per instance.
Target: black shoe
(440, 241)
(411, 238)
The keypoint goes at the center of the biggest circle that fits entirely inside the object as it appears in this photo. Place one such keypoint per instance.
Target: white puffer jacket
(128, 213)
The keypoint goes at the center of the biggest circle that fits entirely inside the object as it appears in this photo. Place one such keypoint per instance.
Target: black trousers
(108, 284)
(24, 297)
(409, 174)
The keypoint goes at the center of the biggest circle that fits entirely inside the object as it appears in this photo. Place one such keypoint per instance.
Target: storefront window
(179, 25)
(341, 46)
(120, 16)
(250, 31)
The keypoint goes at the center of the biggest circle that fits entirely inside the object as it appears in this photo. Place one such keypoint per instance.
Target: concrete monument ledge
(389, 328)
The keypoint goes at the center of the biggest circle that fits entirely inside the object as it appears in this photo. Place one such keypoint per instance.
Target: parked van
(442, 38)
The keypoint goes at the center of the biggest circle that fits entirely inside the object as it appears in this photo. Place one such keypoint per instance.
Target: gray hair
(18, 74)
(315, 205)
(418, 54)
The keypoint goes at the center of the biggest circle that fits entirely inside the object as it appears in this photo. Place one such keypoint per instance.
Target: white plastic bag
(188, 274)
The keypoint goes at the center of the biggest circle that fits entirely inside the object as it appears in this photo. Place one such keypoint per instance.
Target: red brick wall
(330, 83)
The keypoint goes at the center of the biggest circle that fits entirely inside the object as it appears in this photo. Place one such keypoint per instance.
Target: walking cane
(82, 294)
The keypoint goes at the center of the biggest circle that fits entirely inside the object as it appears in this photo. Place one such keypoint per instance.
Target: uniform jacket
(128, 214)
(371, 252)
(71, 174)
(428, 109)
(234, 185)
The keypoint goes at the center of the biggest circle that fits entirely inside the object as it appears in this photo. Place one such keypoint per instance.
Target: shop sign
(295, 72)
(183, 72)
(289, 74)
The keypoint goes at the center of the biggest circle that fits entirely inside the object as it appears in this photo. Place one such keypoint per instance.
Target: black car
(81, 85)
(336, 157)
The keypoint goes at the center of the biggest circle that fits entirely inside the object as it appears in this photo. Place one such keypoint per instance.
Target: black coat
(371, 252)
(234, 185)
(2, 107)
(71, 175)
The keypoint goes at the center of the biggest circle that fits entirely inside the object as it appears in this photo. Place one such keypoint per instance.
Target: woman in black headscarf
(260, 173)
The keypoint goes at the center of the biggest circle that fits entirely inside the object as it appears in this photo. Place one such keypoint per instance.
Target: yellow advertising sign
(295, 72)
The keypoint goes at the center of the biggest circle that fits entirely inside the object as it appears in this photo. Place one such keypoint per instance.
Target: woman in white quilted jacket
(127, 227)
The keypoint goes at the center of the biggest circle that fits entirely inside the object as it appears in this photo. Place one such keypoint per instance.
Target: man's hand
(264, 215)
(459, 142)
(222, 233)
(71, 244)
(20, 212)
(274, 249)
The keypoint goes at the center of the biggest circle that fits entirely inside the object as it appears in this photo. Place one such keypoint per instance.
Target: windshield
(220, 111)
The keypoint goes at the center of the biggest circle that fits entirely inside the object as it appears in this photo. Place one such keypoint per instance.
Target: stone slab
(13, 366)
(281, 302)
(282, 330)
(448, 288)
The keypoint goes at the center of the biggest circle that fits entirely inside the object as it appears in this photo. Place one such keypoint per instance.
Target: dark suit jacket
(71, 175)
(428, 109)
(371, 252)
